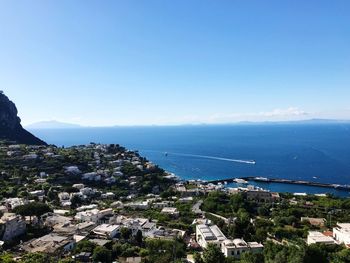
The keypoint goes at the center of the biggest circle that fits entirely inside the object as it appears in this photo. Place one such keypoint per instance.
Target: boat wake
(215, 158)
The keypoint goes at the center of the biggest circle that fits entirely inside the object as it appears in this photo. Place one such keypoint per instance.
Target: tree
(213, 254)
(32, 209)
(165, 251)
(102, 254)
(315, 254)
(342, 256)
(138, 237)
(75, 201)
(197, 257)
(36, 258)
(249, 257)
(85, 246)
(125, 233)
(6, 258)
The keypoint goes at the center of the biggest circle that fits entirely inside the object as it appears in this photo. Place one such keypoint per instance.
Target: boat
(166, 154)
(240, 181)
(263, 179)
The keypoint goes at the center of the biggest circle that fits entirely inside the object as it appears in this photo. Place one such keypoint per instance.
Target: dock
(281, 181)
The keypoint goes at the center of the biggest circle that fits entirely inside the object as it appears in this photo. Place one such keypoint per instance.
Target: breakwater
(281, 181)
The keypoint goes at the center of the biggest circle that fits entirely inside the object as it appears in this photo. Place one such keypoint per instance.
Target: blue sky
(171, 62)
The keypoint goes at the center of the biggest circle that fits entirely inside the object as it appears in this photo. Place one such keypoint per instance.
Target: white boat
(240, 181)
(264, 179)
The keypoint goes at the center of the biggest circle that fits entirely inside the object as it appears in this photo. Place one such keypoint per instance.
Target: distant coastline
(63, 125)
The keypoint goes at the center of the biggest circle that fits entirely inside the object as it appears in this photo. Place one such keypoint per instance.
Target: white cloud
(291, 111)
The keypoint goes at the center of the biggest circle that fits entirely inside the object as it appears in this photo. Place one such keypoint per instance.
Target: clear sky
(172, 62)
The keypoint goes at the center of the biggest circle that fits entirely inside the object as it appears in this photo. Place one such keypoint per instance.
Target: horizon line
(80, 126)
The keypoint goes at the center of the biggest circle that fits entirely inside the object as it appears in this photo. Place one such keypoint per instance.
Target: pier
(282, 181)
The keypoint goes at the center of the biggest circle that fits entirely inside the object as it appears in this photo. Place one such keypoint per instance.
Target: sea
(312, 152)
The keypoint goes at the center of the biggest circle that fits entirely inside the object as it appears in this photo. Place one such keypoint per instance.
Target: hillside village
(103, 203)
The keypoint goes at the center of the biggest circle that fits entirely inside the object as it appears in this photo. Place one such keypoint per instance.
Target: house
(92, 215)
(11, 203)
(172, 211)
(206, 234)
(11, 226)
(108, 195)
(106, 230)
(138, 205)
(341, 233)
(64, 199)
(105, 215)
(319, 222)
(87, 207)
(315, 237)
(234, 248)
(37, 193)
(49, 244)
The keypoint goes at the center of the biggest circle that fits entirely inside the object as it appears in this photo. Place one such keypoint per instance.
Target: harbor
(281, 181)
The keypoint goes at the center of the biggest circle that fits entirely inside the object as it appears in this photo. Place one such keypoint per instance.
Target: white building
(315, 237)
(206, 234)
(87, 207)
(172, 211)
(64, 199)
(93, 215)
(37, 193)
(88, 216)
(235, 248)
(138, 205)
(14, 202)
(11, 225)
(106, 230)
(341, 233)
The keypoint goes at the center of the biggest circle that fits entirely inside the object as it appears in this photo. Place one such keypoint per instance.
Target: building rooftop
(345, 226)
(46, 244)
(169, 210)
(106, 228)
(255, 245)
(211, 232)
(318, 237)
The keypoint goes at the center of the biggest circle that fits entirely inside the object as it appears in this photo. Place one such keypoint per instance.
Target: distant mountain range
(309, 121)
(62, 125)
(52, 125)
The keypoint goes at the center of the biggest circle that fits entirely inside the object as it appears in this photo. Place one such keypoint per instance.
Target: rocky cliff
(10, 124)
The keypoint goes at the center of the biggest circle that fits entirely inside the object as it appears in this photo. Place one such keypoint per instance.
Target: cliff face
(10, 124)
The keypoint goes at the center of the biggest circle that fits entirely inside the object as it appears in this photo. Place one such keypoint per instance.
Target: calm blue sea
(315, 152)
